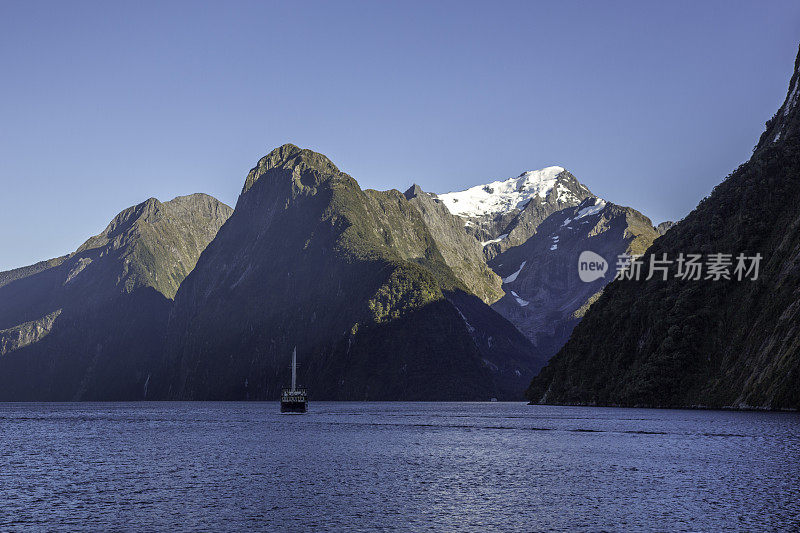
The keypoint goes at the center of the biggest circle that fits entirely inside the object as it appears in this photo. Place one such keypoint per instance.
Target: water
(395, 466)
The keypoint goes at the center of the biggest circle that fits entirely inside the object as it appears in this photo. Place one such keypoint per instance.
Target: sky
(106, 104)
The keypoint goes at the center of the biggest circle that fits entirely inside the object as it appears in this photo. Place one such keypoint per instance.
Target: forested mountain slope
(704, 343)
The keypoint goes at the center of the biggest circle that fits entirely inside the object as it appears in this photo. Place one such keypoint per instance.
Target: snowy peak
(504, 196)
(504, 214)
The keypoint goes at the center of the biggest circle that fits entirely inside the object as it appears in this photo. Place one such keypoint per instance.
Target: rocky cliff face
(90, 324)
(704, 342)
(460, 250)
(545, 297)
(665, 227)
(355, 279)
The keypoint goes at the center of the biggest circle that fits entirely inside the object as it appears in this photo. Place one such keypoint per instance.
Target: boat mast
(294, 368)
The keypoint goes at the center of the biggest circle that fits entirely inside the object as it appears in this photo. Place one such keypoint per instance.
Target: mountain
(503, 214)
(460, 250)
(545, 297)
(356, 280)
(91, 324)
(532, 229)
(724, 343)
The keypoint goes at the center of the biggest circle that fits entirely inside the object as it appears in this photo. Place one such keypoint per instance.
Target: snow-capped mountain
(532, 229)
(503, 214)
(466, 306)
(503, 196)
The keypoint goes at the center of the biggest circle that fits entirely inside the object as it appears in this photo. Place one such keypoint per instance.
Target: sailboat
(294, 400)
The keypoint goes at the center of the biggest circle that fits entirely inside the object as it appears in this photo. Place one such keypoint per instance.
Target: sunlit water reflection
(404, 466)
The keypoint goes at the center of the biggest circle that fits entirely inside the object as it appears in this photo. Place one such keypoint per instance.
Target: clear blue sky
(104, 104)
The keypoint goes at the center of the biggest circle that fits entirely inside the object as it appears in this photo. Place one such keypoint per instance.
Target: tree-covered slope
(354, 279)
(707, 343)
(91, 325)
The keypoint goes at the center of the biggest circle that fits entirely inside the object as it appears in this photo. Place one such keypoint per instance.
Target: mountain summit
(503, 196)
(504, 214)
(356, 279)
(532, 229)
(290, 157)
(387, 295)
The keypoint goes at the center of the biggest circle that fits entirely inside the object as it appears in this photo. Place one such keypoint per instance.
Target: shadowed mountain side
(90, 325)
(545, 296)
(532, 229)
(704, 343)
(108, 352)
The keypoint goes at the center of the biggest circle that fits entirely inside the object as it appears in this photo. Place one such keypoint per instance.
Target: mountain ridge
(88, 325)
(372, 283)
(545, 297)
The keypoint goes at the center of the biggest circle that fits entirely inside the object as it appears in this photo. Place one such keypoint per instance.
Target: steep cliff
(684, 342)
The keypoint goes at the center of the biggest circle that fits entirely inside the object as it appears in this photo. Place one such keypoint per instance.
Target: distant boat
(493, 400)
(294, 400)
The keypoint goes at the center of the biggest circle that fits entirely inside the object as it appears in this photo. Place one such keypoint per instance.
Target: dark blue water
(395, 466)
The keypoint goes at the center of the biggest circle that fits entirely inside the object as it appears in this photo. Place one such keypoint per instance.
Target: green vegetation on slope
(91, 325)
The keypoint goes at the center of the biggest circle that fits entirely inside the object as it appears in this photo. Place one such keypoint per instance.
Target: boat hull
(294, 400)
(294, 407)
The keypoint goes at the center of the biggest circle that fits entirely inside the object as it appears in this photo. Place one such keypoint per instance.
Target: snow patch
(502, 196)
(500, 238)
(513, 276)
(520, 301)
(565, 195)
(599, 205)
(489, 363)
